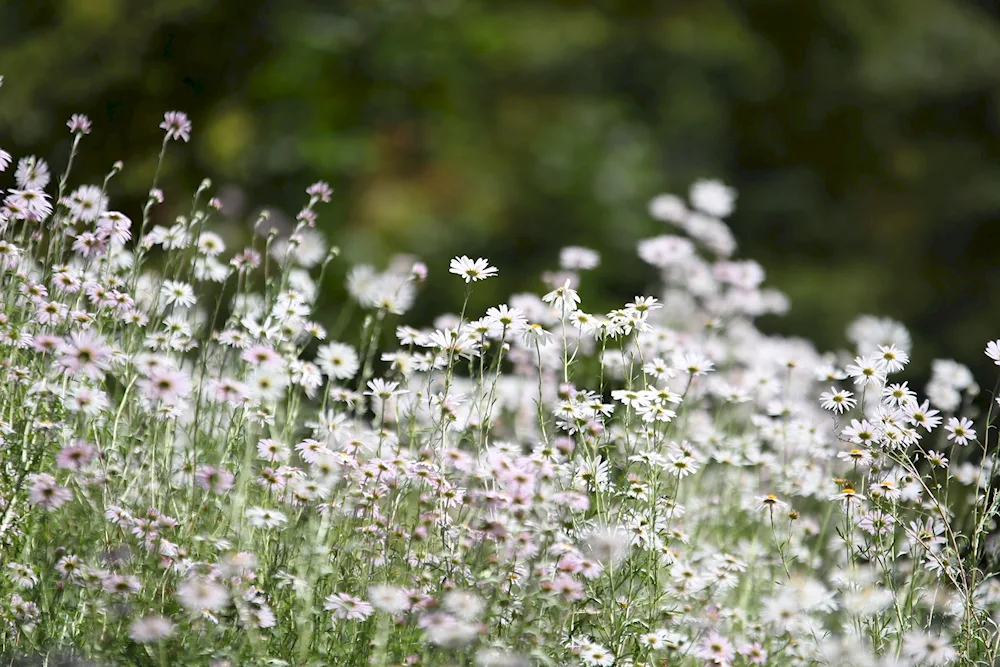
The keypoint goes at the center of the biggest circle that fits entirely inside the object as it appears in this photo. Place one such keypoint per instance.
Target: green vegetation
(861, 136)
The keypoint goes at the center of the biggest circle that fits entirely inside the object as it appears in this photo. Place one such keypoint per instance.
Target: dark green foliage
(862, 136)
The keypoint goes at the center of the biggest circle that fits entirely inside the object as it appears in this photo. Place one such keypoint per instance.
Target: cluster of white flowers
(192, 474)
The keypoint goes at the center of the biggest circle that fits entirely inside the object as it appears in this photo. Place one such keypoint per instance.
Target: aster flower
(472, 270)
(922, 415)
(338, 360)
(960, 430)
(348, 607)
(167, 385)
(262, 517)
(715, 649)
(595, 655)
(893, 358)
(563, 298)
(87, 203)
(175, 292)
(46, 493)
(694, 364)
(992, 348)
(75, 456)
(770, 503)
(32, 173)
(379, 388)
(837, 400)
(85, 353)
(898, 395)
(122, 585)
(849, 495)
(78, 124)
(876, 522)
(867, 371)
(860, 432)
(504, 319)
(176, 125)
(214, 480)
(923, 648)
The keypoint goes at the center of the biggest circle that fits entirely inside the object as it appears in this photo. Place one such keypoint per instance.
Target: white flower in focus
(174, 292)
(993, 351)
(867, 371)
(960, 430)
(177, 125)
(470, 270)
(837, 400)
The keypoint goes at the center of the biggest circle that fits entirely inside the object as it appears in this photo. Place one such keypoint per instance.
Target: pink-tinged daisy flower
(28, 204)
(32, 173)
(46, 493)
(176, 125)
(46, 343)
(261, 355)
(78, 124)
(50, 312)
(213, 479)
(167, 385)
(75, 456)
(119, 584)
(320, 190)
(264, 517)
(754, 654)
(348, 607)
(85, 353)
(716, 649)
(230, 391)
(86, 203)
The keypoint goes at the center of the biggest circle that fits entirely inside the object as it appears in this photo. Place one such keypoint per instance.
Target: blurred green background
(863, 136)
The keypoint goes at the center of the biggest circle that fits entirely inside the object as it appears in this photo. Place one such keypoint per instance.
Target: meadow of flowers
(196, 470)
